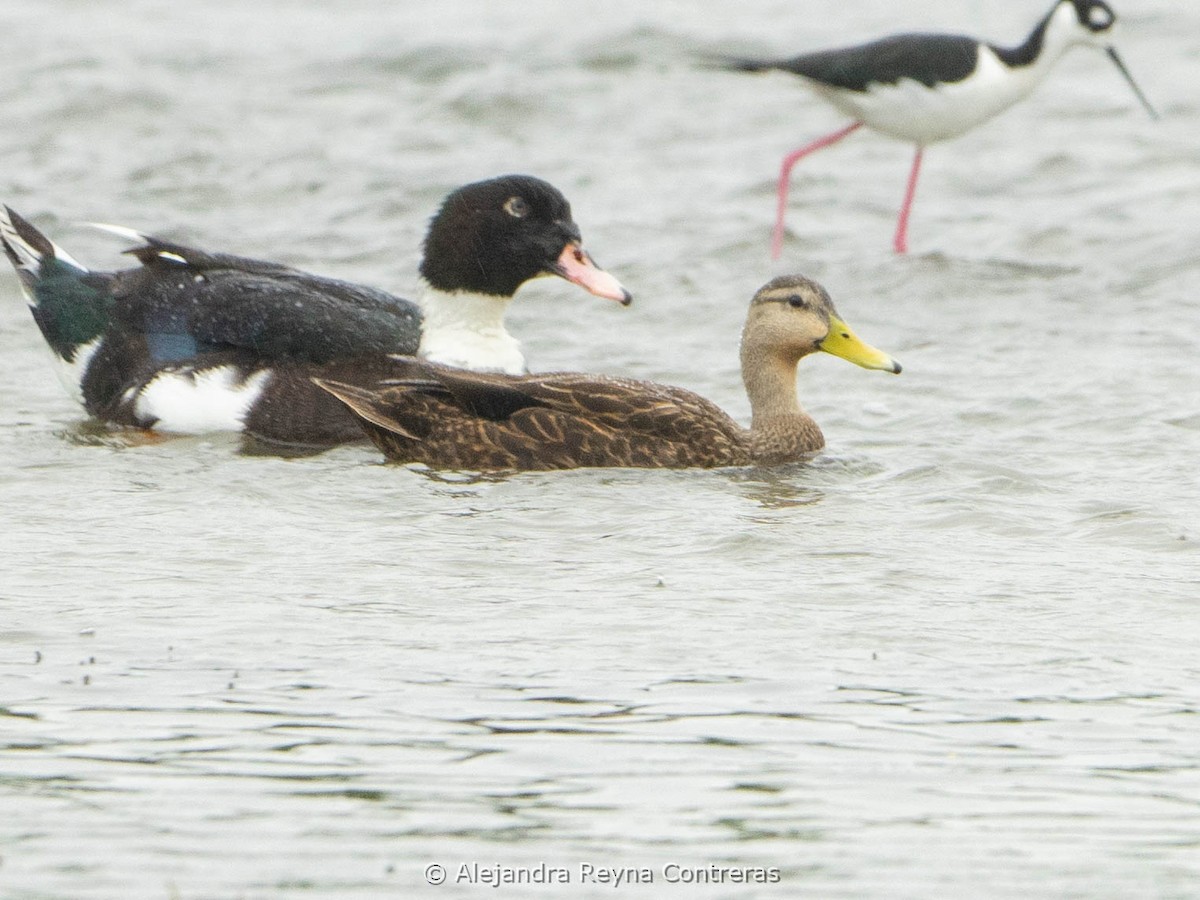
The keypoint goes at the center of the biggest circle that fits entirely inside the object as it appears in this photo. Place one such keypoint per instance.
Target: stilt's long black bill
(1115, 57)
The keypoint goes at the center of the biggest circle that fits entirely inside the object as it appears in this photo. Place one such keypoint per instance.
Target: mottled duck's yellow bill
(843, 342)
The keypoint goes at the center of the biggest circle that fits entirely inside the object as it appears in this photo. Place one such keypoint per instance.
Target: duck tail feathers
(31, 253)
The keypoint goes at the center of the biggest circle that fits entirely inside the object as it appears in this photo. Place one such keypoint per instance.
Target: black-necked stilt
(193, 342)
(931, 87)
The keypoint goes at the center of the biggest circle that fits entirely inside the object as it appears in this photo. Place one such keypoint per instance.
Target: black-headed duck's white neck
(466, 330)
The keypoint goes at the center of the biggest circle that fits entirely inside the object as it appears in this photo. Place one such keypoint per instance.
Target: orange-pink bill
(577, 267)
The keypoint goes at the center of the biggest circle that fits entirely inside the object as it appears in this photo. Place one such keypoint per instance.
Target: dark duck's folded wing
(188, 302)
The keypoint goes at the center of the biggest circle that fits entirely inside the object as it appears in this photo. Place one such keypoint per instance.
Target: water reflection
(458, 478)
(776, 488)
(94, 433)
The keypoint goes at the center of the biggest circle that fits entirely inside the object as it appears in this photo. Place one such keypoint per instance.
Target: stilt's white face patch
(1100, 18)
(199, 402)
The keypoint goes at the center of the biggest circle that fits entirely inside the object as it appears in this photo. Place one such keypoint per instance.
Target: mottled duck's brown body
(558, 421)
(454, 419)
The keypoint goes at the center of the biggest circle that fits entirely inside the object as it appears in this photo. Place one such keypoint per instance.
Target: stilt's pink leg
(785, 173)
(900, 243)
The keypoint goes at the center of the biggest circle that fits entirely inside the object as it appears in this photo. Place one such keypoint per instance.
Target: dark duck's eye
(517, 207)
(796, 301)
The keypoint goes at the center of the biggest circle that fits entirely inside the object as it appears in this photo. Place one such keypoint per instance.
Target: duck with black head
(192, 341)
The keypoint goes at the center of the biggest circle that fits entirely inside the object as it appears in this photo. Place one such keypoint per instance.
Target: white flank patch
(467, 331)
(71, 373)
(199, 402)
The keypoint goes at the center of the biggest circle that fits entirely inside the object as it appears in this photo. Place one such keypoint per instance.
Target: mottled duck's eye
(796, 301)
(517, 207)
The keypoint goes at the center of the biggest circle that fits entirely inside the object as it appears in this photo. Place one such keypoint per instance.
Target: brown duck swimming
(454, 419)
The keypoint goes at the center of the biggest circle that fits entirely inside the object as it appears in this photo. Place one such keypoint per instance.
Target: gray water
(956, 656)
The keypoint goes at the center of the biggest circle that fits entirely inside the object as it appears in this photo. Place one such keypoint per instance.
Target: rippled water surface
(955, 656)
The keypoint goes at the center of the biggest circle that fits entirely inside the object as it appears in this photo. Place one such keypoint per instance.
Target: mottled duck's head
(792, 316)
